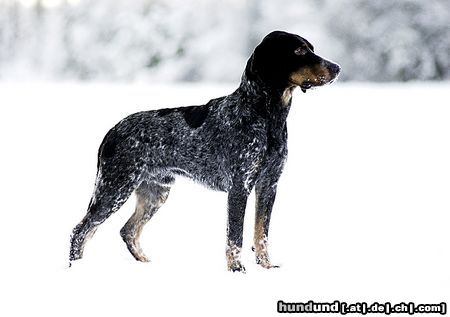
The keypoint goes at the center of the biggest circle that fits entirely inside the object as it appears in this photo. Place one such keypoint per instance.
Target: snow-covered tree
(391, 40)
(179, 40)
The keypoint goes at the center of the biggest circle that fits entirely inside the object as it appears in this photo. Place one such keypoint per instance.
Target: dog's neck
(271, 104)
(264, 97)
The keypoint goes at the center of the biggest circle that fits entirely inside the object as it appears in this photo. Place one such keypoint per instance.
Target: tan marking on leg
(132, 230)
(147, 204)
(261, 245)
(233, 253)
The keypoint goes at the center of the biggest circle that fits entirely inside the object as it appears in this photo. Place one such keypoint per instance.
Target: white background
(362, 211)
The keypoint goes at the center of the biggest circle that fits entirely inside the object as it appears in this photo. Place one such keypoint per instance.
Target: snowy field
(362, 212)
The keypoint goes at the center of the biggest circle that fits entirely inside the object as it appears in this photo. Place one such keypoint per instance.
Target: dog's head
(285, 60)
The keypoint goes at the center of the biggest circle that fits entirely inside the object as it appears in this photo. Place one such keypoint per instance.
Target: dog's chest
(251, 160)
(260, 150)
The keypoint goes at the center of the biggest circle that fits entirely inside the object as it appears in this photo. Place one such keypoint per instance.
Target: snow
(362, 210)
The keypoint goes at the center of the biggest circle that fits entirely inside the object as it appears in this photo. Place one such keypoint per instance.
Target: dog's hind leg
(112, 189)
(150, 196)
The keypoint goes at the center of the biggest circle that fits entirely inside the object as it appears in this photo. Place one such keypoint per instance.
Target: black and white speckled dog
(231, 144)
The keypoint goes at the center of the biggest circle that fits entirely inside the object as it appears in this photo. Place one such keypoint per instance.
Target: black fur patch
(109, 144)
(164, 112)
(195, 115)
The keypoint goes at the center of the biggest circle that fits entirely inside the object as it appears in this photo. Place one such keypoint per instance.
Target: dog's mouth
(312, 83)
(317, 82)
(310, 77)
(306, 85)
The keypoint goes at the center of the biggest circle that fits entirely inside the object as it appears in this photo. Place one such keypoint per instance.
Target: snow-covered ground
(362, 212)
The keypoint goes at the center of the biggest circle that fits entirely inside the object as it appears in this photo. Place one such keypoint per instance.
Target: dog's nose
(335, 68)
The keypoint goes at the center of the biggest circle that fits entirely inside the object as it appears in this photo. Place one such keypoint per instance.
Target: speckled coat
(231, 144)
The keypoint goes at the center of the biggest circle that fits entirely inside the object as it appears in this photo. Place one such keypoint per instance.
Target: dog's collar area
(256, 87)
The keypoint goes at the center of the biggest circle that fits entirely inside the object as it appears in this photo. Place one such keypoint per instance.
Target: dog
(232, 144)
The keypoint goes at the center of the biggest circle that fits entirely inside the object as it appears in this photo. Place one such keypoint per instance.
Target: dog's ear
(250, 71)
(262, 64)
(269, 62)
(253, 67)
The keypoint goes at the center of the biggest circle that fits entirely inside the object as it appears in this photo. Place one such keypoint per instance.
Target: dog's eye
(301, 51)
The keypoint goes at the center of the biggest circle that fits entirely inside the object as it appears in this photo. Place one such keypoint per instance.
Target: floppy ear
(250, 70)
(253, 69)
(262, 65)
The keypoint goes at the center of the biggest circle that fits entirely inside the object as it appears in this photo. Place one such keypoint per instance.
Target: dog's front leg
(237, 201)
(265, 191)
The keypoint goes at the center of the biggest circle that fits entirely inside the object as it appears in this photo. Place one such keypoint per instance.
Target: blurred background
(362, 209)
(200, 40)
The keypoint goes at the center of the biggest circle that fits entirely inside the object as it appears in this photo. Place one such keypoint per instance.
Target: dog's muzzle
(334, 69)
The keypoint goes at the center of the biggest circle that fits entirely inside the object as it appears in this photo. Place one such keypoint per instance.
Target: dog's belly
(208, 171)
(213, 180)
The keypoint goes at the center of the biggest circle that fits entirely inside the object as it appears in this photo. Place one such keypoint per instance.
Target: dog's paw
(269, 266)
(236, 267)
(137, 253)
(134, 247)
(265, 262)
(141, 257)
